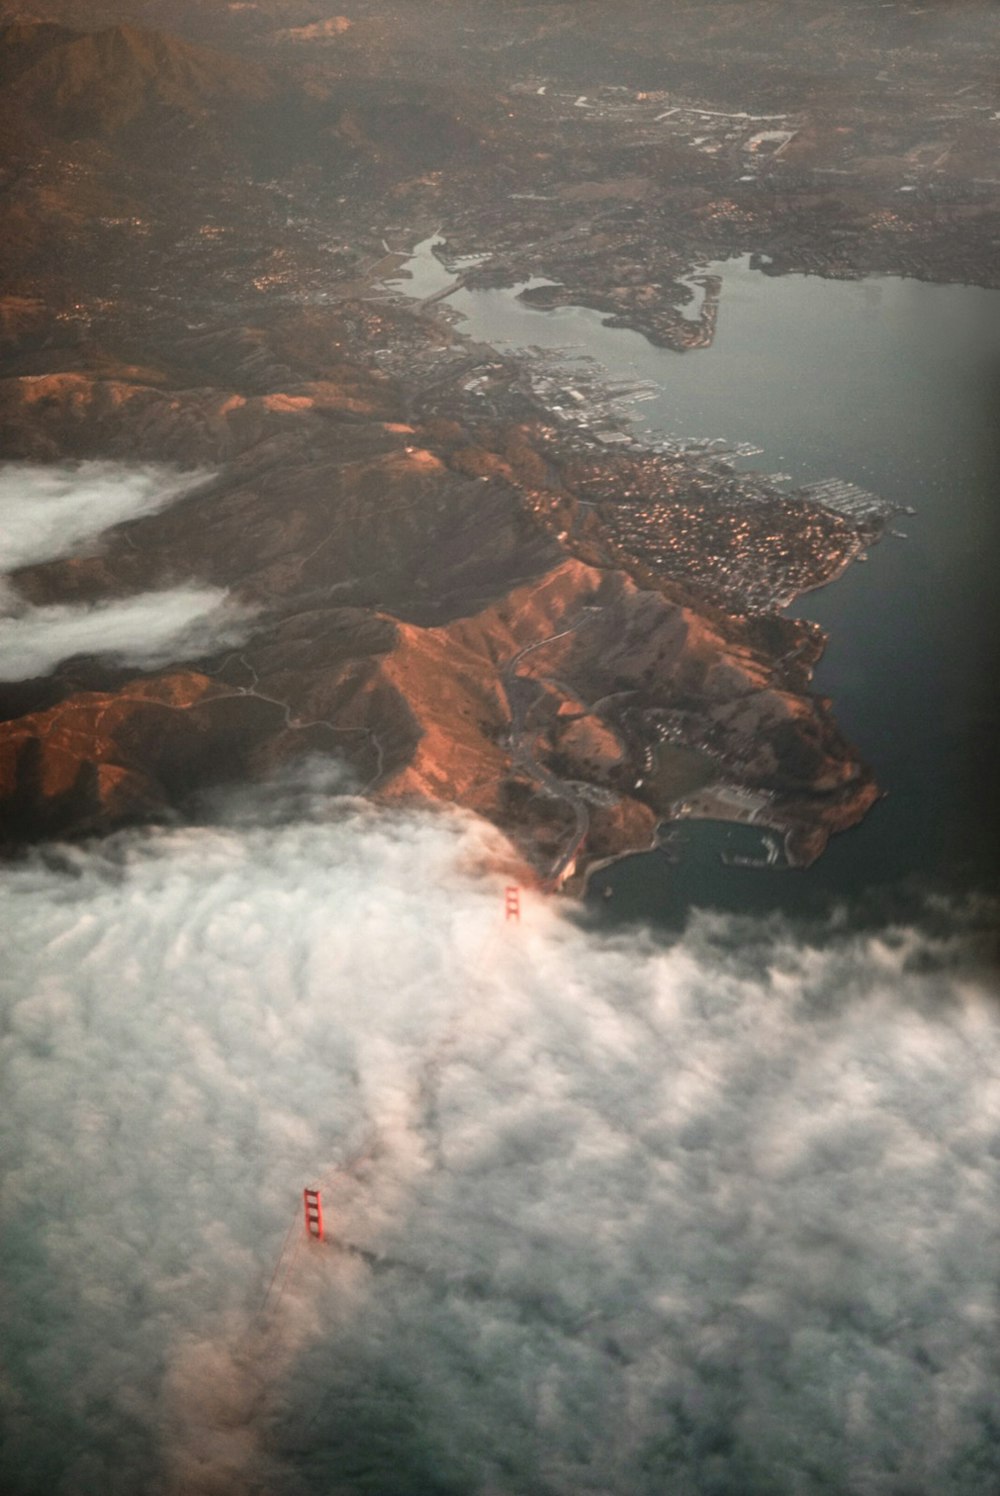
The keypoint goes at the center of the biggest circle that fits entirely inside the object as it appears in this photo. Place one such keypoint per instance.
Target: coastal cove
(890, 384)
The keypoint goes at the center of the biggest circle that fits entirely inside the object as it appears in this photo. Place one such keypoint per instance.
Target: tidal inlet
(498, 813)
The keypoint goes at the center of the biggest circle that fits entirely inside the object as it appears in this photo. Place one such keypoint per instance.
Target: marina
(878, 397)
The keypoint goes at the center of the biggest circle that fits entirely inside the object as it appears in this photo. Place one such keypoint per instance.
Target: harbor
(894, 417)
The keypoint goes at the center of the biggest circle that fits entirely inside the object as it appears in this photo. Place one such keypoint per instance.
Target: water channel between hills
(894, 385)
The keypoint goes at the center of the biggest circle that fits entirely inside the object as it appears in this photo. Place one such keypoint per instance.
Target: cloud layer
(47, 513)
(605, 1215)
(146, 631)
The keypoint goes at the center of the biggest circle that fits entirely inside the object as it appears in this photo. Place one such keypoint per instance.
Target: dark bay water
(895, 385)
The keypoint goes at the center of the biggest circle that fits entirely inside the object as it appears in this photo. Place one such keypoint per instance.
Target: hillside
(202, 260)
(102, 82)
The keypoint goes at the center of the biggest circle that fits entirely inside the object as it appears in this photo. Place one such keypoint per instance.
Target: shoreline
(457, 326)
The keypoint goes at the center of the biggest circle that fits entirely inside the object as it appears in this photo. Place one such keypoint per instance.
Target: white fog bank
(51, 511)
(146, 631)
(605, 1216)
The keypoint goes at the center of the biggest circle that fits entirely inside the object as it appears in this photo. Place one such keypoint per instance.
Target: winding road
(518, 705)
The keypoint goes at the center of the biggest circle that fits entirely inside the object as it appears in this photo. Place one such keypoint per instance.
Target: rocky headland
(415, 614)
(444, 587)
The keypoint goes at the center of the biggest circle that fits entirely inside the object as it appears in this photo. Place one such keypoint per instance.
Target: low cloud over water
(604, 1215)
